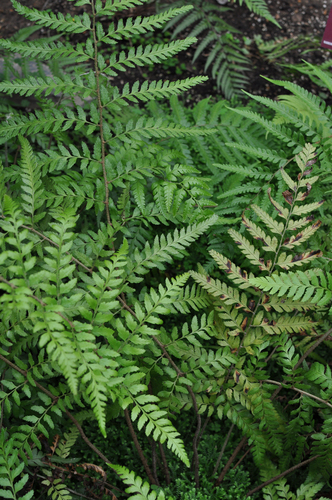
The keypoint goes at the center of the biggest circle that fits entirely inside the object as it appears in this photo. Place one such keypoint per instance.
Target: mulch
(296, 17)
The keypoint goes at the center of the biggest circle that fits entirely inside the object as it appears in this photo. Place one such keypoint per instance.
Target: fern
(227, 60)
(247, 320)
(140, 489)
(67, 290)
(98, 198)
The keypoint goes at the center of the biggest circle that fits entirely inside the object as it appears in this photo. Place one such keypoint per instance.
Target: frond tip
(138, 489)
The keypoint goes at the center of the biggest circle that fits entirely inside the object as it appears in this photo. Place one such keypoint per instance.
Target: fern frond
(266, 154)
(39, 86)
(150, 55)
(112, 6)
(269, 244)
(40, 49)
(67, 24)
(11, 469)
(275, 226)
(33, 196)
(154, 418)
(152, 90)
(307, 286)
(243, 170)
(134, 26)
(249, 250)
(236, 274)
(222, 291)
(164, 248)
(139, 489)
(289, 115)
(286, 135)
(191, 296)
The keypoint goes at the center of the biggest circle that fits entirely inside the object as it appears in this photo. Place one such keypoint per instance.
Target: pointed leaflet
(304, 235)
(235, 273)
(286, 261)
(221, 290)
(269, 244)
(282, 211)
(275, 226)
(289, 181)
(249, 250)
(286, 324)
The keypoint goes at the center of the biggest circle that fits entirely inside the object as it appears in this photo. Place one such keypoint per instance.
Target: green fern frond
(243, 170)
(307, 286)
(57, 489)
(112, 6)
(150, 55)
(11, 469)
(39, 86)
(266, 154)
(225, 293)
(67, 24)
(154, 418)
(164, 249)
(290, 137)
(39, 49)
(193, 297)
(140, 490)
(130, 26)
(33, 196)
(152, 90)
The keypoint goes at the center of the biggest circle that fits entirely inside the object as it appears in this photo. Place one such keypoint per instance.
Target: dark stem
(154, 459)
(306, 462)
(207, 420)
(166, 469)
(195, 440)
(230, 461)
(243, 457)
(139, 449)
(222, 450)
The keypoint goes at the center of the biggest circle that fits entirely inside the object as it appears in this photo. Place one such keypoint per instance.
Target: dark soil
(296, 17)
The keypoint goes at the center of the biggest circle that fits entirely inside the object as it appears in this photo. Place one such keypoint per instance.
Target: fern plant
(85, 185)
(93, 197)
(253, 327)
(227, 60)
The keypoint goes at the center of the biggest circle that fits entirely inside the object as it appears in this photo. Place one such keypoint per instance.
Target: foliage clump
(97, 199)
